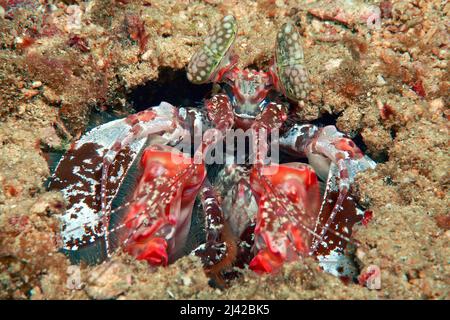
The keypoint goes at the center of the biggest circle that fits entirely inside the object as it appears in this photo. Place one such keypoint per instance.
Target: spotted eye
(291, 72)
(207, 60)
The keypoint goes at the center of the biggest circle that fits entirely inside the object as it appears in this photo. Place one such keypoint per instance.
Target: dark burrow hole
(171, 86)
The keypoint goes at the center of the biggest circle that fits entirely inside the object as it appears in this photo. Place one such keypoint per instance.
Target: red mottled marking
(10, 191)
(272, 117)
(365, 276)
(418, 88)
(146, 116)
(79, 42)
(347, 145)
(386, 111)
(368, 215)
(116, 146)
(256, 79)
(220, 111)
(19, 221)
(386, 9)
(371, 277)
(136, 130)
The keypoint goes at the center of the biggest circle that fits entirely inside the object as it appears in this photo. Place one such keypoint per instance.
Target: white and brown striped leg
(219, 251)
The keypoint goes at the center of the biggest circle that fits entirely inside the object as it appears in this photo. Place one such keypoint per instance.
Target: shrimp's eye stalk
(291, 74)
(212, 60)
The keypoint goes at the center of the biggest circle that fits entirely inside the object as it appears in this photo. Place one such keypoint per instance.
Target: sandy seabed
(386, 84)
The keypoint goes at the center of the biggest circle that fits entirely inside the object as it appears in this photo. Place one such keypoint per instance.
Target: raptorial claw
(339, 157)
(337, 160)
(93, 170)
(212, 59)
(289, 200)
(158, 219)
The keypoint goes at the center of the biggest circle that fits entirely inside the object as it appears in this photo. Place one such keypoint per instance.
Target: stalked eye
(207, 60)
(290, 67)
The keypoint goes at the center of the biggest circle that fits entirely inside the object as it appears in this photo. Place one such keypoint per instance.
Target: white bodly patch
(338, 265)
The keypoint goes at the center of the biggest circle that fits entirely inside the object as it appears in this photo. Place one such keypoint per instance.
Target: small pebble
(360, 254)
(147, 54)
(101, 63)
(29, 93)
(333, 64)
(187, 281)
(36, 84)
(380, 81)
